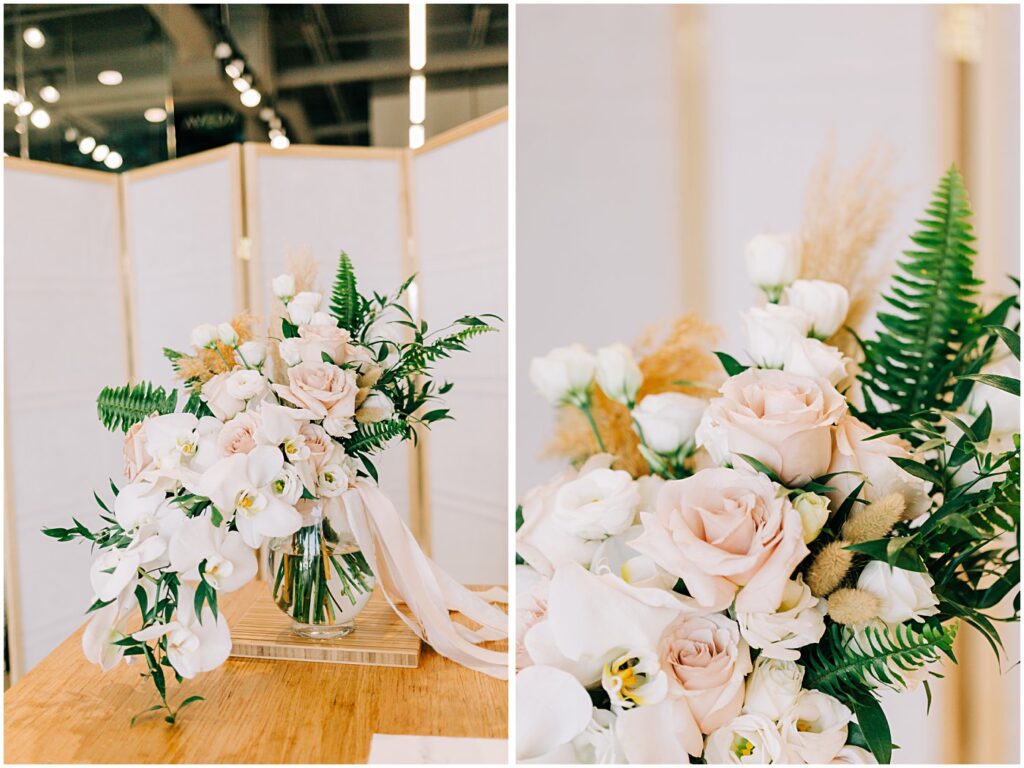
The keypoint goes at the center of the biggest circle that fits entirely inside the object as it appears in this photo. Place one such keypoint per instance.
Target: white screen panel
(327, 205)
(182, 239)
(65, 340)
(460, 199)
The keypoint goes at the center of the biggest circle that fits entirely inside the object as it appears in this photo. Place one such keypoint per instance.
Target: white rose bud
(772, 687)
(798, 621)
(813, 511)
(302, 308)
(204, 336)
(817, 360)
(618, 375)
(773, 262)
(827, 304)
(283, 287)
(227, 334)
(770, 331)
(669, 420)
(905, 595)
(246, 384)
(290, 352)
(322, 318)
(565, 374)
(254, 352)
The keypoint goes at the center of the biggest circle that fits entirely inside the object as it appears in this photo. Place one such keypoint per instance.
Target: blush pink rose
(238, 434)
(725, 533)
(136, 458)
(707, 662)
(314, 340)
(324, 389)
(781, 419)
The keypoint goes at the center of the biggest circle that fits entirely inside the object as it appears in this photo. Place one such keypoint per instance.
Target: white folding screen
(65, 340)
(183, 225)
(326, 200)
(460, 224)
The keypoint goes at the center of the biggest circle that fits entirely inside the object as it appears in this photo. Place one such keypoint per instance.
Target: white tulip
(904, 595)
(290, 352)
(598, 504)
(193, 645)
(813, 511)
(230, 563)
(748, 738)
(668, 421)
(814, 729)
(253, 353)
(204, 336)
(770, 331)
(107, 626)
(773, 261)
(302, 308)
(227, 334)
(772, 687)
(618, 375)
(798, 621)
(564, 374)
(827, 304)
(283, 287)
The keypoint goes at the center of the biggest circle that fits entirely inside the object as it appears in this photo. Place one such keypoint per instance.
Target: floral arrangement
(812, 534)
(272, 434)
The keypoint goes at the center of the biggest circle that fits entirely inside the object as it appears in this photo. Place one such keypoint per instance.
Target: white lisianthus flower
(634, 679)
(904, 595)
(618, 375)
(239, 486)
(254, 353)
(814, 729)
(748, 738)
(290, 351)
(773, 261)
(337, 473)
(599, 744)
(193, 645)
(770, 331)
(287, 484)
(229, 562)
(813, 511)
(283, 287)
(376, 407)
(773, 687)
(246, 384)
(827, 304)
(204, 336)
(798, 621)
(669, 421)
(851, 755)
(564, 374)
(817, 360)
(303, 306)
(107, 626)
(597, 504)
(227, 334)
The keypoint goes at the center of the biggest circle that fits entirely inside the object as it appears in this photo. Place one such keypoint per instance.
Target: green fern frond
(346, 302)
(841, 666)
(121, 407)
(370, 438)
(911, 365)
(419, 356)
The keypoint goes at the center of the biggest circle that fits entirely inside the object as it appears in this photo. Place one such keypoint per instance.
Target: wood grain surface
(381, 638)
(256, 711)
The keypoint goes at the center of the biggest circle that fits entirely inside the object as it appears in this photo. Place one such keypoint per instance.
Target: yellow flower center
(742, 747)
(626, 680)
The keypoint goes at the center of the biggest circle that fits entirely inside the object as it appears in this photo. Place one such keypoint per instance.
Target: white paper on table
(387, 748)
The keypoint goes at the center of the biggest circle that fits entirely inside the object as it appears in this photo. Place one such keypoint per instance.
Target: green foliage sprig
(121, 407)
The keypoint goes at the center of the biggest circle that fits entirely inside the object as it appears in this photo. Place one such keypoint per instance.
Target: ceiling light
(417, 35)
(70, 134)
(415, 136)
(12, 97)
(87, 145)
(49, 94)
(113, 161)
(110, 77)
(100, 153)
(24, 109)
(417, 98)
(155, 115)
(280, 142)
(267, 114)
(40, 118)
(234, 68)
(250, 98)
(222, 50)
(241, 84)
(34, 37)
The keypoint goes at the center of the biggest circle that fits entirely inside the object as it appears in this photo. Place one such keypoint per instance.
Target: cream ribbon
(408, 576)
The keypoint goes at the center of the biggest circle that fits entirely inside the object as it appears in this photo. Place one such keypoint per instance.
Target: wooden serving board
(380, 638)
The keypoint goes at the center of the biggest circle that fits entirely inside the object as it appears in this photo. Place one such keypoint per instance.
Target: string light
(87, 145)
(34, 37)
(24, 109)
(100, 153)
(40, 118)
(49, 94)
(155, 115)
(250, 98)
(113, 161)
(110, 77)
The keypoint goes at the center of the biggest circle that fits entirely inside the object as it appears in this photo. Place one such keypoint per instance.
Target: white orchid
(281, 426)
(116, 571)
(107, 626)
(239, 486)
(552, 709)
(193, 645)
(229, 562)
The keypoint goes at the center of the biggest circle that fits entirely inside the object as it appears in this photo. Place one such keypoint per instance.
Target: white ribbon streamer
(408, 576)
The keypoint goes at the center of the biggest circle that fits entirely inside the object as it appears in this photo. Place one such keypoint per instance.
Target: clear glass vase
(320, 579)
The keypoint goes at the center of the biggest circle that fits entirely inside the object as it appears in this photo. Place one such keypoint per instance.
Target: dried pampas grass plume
(301, 266)
(829, 567)
(875, 520)
(199, 368)
(853, 606)
(673, 357)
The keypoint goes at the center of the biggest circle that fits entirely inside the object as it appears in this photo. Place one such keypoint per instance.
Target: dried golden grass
(300, 265)
(207, 363)
(675, 357)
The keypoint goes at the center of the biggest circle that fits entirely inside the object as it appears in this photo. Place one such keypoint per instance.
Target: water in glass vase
(321, 580)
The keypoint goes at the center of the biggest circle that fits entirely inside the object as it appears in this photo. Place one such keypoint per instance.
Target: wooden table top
(256, 711)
